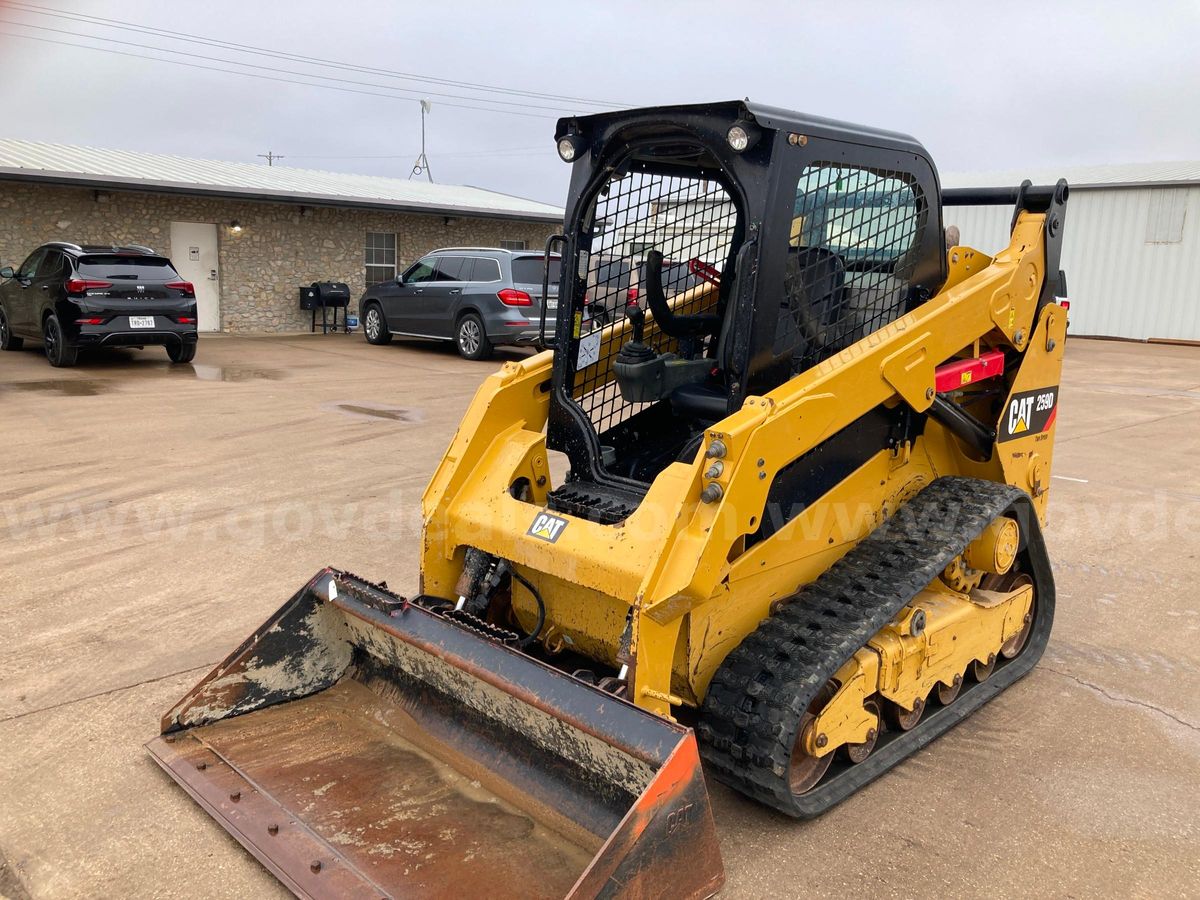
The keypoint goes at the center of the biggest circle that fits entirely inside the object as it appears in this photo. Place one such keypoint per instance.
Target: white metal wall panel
(1120, 285)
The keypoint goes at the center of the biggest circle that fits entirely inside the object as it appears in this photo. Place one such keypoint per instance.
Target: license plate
(141, 321)
(551, 303)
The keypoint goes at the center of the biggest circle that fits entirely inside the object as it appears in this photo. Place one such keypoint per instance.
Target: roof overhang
(260, 195)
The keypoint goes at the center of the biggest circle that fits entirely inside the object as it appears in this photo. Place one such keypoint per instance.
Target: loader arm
(897, 362)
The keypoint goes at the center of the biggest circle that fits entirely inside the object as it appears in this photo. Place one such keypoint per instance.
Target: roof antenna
(421, 166)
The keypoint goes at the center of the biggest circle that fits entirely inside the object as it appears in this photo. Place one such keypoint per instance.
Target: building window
(514, 245)
(380, 257)
(1164, 222)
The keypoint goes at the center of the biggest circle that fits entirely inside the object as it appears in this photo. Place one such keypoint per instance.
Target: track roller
(983, 671)
(947, 694)
(903, 719)
(856, 753)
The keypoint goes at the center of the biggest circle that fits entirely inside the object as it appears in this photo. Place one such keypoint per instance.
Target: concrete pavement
(151, 516)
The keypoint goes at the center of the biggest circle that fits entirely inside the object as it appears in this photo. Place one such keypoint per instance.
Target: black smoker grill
(325, 295)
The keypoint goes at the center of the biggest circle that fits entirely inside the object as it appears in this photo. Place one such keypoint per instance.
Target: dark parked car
(478, 297)
(71, 297)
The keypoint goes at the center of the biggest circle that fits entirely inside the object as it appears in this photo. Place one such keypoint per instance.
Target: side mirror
(7, 272)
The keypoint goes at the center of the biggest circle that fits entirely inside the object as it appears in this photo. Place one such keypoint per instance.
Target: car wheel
(7, 341)
(375, 325)
(471, 339)
(181, 352)
(59, 352)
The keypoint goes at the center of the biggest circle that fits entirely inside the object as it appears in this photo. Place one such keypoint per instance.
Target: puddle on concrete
(366, 409)
(230, 373)
(65, 388)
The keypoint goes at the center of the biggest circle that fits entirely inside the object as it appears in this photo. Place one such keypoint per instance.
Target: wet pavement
(152, 515)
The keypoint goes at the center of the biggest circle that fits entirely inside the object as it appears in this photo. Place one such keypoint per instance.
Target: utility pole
(270, 157)
(421, 166)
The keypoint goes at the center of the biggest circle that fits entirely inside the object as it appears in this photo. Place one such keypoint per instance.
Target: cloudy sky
(983, 86)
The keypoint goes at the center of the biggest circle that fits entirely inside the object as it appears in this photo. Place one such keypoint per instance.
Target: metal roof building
(125, 169)
(249, 236)
(1131, 247)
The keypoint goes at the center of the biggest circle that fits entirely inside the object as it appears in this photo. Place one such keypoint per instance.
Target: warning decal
(1029, 412)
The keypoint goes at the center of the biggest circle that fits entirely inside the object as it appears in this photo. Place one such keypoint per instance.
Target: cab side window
(850, 259)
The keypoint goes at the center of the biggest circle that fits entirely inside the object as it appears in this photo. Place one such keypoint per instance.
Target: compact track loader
(782, 516)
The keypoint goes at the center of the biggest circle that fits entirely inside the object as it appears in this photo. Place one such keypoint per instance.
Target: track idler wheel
(1015, 644)
(804, 770)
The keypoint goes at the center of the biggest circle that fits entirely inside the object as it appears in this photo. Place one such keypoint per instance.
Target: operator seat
(814, 297)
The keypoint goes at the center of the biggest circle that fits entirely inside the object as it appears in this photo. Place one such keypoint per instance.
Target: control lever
(636, 351)
(637, 318)
(645, 376)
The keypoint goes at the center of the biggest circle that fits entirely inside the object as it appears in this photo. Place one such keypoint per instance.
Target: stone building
(248, 236)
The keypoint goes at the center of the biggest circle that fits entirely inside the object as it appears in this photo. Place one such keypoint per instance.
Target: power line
(269, 68)
(499, 151)
(270, 157)
(315, 61)
(329, 87)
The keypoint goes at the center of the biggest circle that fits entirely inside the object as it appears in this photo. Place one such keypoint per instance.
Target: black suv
(70, 297)
(478, 297)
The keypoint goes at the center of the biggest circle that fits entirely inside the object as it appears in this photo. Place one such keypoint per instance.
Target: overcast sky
(983, 86)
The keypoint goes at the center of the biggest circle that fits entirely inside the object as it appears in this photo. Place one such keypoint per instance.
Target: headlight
(566, 149)
(737, 137)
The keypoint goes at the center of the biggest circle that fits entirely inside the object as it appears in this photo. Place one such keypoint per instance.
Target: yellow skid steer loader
(807, 452)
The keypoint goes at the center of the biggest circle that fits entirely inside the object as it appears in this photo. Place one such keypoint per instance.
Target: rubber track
(753, 705)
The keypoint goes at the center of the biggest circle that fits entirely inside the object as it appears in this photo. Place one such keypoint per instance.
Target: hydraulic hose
(541, 605)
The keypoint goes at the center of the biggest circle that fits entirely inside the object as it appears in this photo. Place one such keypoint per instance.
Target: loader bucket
(361, 746)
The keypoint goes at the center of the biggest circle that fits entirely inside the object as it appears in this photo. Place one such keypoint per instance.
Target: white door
(194, 253)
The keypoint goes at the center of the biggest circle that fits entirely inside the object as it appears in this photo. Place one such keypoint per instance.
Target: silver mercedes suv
(478, 297)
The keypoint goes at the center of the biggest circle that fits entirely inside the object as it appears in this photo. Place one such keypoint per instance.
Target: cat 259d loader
(798, 535)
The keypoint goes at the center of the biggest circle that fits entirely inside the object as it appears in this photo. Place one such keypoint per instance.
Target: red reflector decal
(954, 375)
